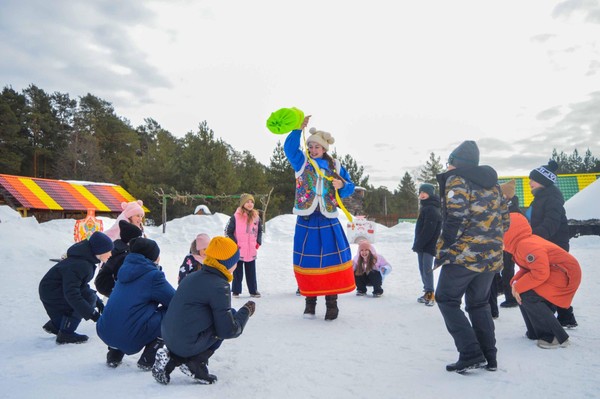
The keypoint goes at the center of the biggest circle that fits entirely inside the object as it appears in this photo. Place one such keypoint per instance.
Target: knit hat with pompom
(320, 137)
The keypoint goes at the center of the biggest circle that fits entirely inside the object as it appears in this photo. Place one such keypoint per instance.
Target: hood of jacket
(134, 267)
(82, 250)
(519, 229)
(484, 176)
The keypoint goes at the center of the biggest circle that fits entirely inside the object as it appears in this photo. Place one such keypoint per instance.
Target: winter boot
(148, 355)
(114, 357)
(430, 298)
(332, 309)
(465, 363)
(197, 365)
(67, 334)
(50, 328)
(163, 366)
(309, 309)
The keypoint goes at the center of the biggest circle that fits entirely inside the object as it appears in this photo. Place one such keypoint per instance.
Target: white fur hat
(320, 137)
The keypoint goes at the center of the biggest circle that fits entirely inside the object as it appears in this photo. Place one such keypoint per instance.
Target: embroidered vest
(313, 191)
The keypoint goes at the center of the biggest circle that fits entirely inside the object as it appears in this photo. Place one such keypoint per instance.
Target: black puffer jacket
(200, 313)
(65, 286)
(547, 216)
(107, 276)
(428, 226)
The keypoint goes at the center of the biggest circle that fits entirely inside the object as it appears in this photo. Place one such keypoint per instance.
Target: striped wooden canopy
(58, 195)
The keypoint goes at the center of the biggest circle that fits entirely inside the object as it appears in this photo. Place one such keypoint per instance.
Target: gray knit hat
(427, 188)
(466, 154)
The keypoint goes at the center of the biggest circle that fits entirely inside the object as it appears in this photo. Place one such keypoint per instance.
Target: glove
(95, 316)
(257, 246)
(99, 305)
(251, 306)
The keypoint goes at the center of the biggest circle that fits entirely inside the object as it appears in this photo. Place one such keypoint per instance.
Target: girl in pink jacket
(369, 269)
(245, 228)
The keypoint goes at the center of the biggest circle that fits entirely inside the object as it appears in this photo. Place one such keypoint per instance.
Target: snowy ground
(388, 347)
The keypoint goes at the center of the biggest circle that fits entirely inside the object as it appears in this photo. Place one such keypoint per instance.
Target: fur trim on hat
(320, 137)
(545, 174)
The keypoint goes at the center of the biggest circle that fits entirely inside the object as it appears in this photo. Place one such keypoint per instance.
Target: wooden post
(164, 213)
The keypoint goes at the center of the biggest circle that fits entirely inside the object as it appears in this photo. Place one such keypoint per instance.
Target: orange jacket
(553, 273)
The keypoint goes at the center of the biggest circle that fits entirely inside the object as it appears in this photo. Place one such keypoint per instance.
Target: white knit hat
(320, 137)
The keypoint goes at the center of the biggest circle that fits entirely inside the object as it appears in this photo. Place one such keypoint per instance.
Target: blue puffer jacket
(201, 313)
(132, 316)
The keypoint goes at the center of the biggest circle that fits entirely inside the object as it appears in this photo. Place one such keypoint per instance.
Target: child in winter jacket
(137, 305)
(193, 261)
(548, 277)
(427, 231)
(370, 268)
(65, 291)
(200, 316)
(245, 228)
(133, 212)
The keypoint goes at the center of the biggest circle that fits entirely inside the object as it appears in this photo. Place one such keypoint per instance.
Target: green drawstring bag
(285, 120)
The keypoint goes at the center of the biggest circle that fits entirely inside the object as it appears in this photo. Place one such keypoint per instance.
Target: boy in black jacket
(65, 291)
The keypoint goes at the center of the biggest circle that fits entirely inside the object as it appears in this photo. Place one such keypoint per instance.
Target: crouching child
(548, 277)
(200, 316)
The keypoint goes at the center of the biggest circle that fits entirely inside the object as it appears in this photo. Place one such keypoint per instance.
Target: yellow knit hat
(224, 250)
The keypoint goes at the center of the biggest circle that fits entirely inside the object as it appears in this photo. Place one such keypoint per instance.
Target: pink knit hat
(132, 208)
(202, 241)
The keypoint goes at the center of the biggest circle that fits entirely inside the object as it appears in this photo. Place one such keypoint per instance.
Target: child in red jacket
(548, 277)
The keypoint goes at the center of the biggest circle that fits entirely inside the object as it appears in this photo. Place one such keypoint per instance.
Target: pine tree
(280, 176)
(432, 168)
(407, 197)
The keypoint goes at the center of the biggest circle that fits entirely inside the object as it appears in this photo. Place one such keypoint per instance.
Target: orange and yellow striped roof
(59, 195)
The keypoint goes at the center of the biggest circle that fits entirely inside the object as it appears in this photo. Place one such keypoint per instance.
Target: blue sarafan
(285, 120)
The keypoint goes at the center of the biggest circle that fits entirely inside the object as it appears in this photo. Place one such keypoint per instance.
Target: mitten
(99, 305)
(251, 306)
(95, 316)
(257, 246)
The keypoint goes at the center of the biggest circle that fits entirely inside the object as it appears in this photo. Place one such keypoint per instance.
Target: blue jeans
(238, 276)
(426, 270)
(477, 337)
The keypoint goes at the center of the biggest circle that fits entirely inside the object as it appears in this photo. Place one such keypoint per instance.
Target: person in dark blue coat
(548, 219)
(200, 316)
(137, 304)
(427, 231)
(65, 291)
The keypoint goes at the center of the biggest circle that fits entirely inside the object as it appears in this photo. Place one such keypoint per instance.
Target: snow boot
(309, 309)
(114, 357)
(467, 363)
(197, 365)
(67, 334)
(332, 309)
(149, 354)
(429, 298)
(50, 328)
(163, 366)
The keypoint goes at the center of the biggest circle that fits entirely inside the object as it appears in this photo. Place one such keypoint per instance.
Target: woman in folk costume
(322, 256)
(548, 277)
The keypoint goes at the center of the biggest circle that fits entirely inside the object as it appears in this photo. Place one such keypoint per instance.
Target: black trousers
(508, 272)
(538, 315)
(372, 278)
